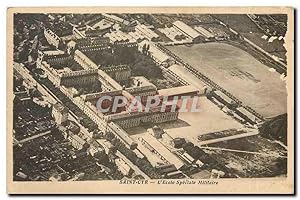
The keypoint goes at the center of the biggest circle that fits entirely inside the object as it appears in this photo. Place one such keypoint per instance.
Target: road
(32, 137)
(23, 72)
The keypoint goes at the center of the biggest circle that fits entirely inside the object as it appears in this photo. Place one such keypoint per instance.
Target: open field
(239, 73)
(190, 125)
(268, 162)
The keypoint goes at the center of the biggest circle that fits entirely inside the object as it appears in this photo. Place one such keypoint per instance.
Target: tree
(109, 136)
(144, 50)
(276, 128)
(116, 142)
(187, 146)
(125, 55)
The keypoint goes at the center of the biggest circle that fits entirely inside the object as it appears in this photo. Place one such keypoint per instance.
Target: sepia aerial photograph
(149, 96)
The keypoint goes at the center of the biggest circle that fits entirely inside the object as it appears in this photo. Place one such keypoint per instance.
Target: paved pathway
(228, 138)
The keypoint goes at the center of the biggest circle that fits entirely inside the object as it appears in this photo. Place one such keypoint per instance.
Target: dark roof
(60, 107)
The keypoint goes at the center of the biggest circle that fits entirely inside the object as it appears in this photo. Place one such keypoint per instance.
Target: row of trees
(145, 49)
(92, 88)
(275, 128)
(141, 64)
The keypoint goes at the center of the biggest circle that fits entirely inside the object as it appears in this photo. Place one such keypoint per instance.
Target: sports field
(239, 73)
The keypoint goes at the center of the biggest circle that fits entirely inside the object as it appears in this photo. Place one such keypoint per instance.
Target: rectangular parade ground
(239, 73)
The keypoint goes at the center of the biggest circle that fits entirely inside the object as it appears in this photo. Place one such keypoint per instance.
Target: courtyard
(190, 125)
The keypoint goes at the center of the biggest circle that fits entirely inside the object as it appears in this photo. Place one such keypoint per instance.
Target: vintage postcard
(156, 100)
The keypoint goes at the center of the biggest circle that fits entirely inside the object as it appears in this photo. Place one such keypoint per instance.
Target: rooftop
(204, 32)
(155, 52)
(247, 113)
(187, 29)
(161, 149)
(78, 139)
(223, 96)
(178, 90)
